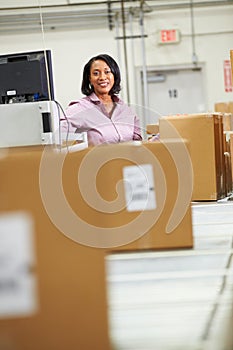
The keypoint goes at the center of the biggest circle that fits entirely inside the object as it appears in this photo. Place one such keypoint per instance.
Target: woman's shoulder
(80, 104)
(80, 101)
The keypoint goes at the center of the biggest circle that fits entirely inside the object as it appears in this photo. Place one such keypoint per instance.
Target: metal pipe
(110, 25)
(132, 45)
(144, 69)
(194, 55)
(118, 42)
(125, 49)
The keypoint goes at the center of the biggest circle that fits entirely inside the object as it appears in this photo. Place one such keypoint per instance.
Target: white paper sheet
(17, 280)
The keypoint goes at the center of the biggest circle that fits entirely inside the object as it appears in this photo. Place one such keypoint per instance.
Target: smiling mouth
(103, 84)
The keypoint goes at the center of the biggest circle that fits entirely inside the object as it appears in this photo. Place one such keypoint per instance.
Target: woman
(105, 117)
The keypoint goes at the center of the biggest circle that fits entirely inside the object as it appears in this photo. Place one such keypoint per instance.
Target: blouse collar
(95, 99)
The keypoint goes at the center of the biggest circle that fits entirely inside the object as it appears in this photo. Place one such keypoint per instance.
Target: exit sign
(169, 36)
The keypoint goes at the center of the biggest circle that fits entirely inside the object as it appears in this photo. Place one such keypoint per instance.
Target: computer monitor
(26, 77)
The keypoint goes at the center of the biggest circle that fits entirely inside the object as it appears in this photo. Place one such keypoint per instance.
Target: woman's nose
(102, 75)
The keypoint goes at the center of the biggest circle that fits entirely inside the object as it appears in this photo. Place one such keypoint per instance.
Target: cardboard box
(70, 290)
(230, 138)
(226, 108)
(230, 107)
(228, 162)
(231, 57)
(152, 129)
(205, 134)
(74, 229)
(221, 107)
(227, 121)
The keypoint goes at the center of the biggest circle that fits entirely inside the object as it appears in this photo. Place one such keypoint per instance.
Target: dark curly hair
(87, 89)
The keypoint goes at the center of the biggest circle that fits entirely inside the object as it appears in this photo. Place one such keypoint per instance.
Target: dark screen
(23, 77)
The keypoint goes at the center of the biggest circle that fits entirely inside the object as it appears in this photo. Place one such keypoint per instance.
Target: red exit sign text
(169, 36)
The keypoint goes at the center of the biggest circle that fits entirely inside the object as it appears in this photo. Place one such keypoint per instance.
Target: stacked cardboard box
(221, 107)
(226, 108)
(231, 58)
(229, 156)
(152, 129)
(79, 210)
(205, 134)
(228, 165)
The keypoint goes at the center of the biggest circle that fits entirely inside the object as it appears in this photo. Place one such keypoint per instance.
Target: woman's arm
(137, 130)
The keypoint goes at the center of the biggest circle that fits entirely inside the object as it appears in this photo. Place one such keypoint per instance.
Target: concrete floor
(175, 300)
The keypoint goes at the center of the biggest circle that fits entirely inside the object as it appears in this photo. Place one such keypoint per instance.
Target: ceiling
(67, 14)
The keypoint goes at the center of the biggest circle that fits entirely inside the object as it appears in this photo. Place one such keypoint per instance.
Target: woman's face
(101, 77)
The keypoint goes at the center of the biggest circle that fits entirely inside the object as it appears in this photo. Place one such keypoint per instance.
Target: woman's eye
(96, 74)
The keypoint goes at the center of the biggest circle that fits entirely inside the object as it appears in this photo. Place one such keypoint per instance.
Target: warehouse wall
(72, 48)
(213, 40)
(70, 51)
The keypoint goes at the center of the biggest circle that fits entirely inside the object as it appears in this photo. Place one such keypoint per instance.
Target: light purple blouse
(89, 114)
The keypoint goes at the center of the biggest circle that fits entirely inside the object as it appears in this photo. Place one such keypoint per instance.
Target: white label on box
(139, 187)
(17, 281)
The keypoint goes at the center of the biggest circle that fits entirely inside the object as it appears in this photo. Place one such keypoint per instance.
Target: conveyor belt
(175, 300)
